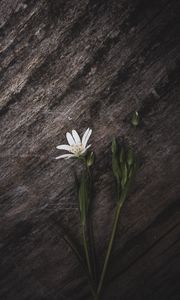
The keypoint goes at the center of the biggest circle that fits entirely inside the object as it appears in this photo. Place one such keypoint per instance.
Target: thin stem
(86, 240)
(111, 241)
(76, 252)
(87, 225)
(92, 250)
(85, 245)
(90, 228)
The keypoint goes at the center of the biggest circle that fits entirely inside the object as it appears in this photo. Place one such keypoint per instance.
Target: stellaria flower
(76, 147)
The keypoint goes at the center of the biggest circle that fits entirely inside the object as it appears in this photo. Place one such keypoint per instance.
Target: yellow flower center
(77, 149)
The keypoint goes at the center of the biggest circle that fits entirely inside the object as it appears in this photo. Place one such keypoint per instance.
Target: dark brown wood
(76, 64)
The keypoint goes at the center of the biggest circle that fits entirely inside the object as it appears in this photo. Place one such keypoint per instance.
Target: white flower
(76, 147)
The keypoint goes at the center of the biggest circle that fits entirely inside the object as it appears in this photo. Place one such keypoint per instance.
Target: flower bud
(135, 119)
(90, 159)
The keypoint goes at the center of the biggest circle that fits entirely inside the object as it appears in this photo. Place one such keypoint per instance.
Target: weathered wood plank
(74, 64)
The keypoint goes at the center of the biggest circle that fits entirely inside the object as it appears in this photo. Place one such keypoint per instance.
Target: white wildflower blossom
(76, 147)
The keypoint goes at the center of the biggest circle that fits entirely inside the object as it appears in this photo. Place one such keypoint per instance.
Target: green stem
(84, 225)
(90, 229)
(111, 241)
(85, 245)
(92, 250)
(90, 282)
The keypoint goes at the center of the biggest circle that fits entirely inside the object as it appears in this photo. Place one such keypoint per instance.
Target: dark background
(76, 64)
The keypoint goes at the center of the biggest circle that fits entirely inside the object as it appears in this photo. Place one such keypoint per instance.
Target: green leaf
(115, 167)
(124, 174)
(83, 197)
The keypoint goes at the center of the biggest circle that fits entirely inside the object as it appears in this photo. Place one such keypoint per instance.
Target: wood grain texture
(88, 63)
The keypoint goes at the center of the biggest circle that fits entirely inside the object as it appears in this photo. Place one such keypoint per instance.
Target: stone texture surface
(88, 63)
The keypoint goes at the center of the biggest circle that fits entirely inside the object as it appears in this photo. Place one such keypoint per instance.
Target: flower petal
(65, 156)
(76, 136)
(87, 137)
(70, 139)
(64, 147)
(86, 149)
(84, 135)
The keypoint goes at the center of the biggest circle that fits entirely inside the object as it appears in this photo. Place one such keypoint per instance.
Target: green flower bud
(90, 159)
(135, 119)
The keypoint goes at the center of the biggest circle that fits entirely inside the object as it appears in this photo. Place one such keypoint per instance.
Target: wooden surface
(76, 64)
